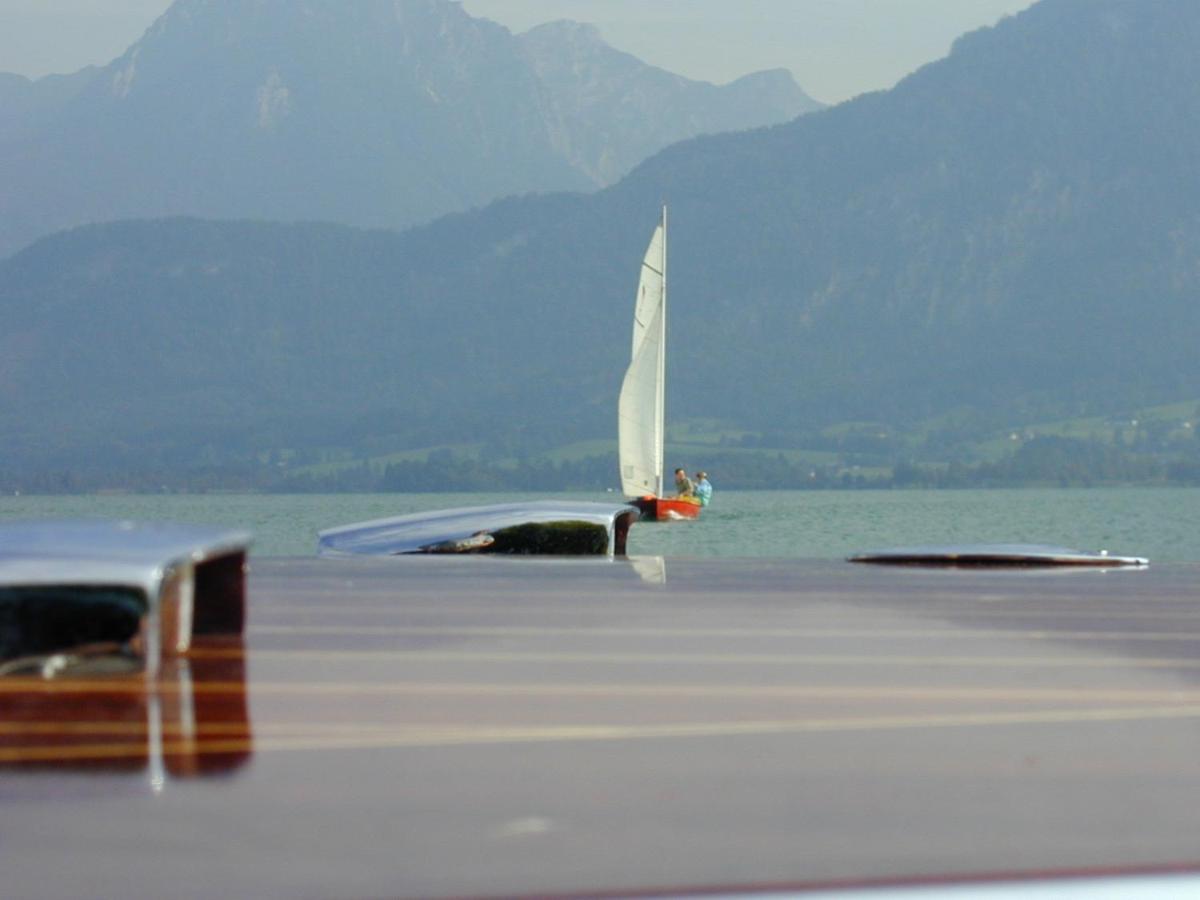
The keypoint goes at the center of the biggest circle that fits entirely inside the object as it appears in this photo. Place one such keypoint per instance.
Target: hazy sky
(835, 48)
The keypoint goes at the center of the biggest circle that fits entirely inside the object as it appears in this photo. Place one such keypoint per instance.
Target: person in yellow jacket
(684, 489)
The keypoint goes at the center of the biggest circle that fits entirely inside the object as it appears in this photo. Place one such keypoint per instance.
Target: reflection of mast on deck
(651, 569)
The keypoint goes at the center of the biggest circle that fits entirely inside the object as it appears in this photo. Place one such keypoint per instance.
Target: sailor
(703, 488)
(684, 488)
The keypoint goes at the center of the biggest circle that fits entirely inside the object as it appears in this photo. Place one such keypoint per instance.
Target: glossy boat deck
(491, 727)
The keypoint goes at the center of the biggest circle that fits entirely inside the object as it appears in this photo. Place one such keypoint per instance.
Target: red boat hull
(667, 509)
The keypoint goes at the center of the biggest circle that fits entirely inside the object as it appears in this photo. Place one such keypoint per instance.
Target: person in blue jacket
(703, 488)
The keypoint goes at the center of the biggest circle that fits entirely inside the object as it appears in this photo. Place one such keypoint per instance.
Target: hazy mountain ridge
(1013, 229)
(371, 112)
(1019, 218)
(27, 105)
(595, 91)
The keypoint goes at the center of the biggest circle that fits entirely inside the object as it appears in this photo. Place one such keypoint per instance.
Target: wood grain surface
(486, 727)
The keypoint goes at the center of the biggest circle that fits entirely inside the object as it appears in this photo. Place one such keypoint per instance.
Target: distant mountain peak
(366, 112)
(566, 28)
(563, 45)
(767, 76)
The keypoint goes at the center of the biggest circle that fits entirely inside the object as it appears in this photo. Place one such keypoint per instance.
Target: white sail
(640, 408)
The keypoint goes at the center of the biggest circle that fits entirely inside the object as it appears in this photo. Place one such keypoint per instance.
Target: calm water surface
(1161, 523)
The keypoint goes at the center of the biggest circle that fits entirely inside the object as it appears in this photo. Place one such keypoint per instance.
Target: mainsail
(640, 408)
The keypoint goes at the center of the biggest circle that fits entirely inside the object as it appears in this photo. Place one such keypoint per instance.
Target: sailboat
(640, 428)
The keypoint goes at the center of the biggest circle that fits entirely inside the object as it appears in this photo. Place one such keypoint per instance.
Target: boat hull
(667, 509)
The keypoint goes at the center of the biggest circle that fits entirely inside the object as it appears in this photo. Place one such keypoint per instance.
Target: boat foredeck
(451, 727)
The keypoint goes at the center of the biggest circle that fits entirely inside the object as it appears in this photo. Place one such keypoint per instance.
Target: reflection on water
(192, 720)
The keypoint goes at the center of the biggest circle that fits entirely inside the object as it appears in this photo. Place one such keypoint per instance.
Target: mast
(661, 403)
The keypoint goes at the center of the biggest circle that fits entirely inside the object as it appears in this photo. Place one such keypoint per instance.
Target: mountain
(366, 112)
(595, 93)
(27, 106)
(1011, 230)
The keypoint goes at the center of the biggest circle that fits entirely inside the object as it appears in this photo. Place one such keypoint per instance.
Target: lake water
(1161, 523)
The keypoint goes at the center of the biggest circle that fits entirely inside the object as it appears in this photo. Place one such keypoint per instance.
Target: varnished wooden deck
(475, 727)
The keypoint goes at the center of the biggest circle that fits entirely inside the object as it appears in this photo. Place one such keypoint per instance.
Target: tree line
(1040, 462)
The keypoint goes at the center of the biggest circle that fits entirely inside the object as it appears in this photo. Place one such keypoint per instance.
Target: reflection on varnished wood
(191, 720)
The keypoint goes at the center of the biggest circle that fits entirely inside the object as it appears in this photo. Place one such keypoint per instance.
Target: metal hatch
(135, 589)
(995, 556)
(536, 528)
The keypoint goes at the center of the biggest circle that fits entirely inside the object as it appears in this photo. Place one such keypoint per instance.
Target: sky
(836, 49)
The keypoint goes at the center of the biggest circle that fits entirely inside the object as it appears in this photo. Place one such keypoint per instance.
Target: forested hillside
(1010, 235)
